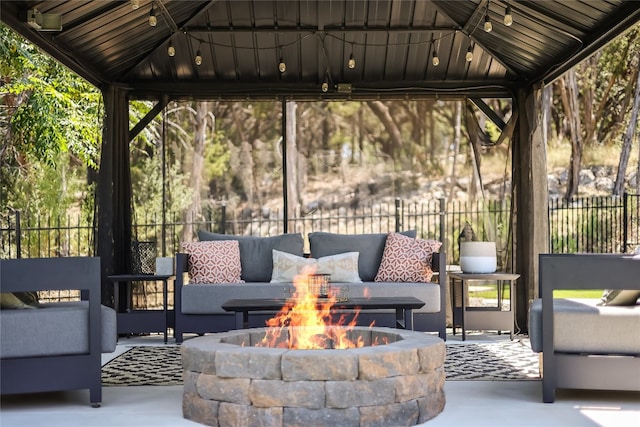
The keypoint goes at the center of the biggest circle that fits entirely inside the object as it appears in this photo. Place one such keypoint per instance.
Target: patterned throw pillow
(343, 268)
(286, 266)
(406, 259)
(214, 262)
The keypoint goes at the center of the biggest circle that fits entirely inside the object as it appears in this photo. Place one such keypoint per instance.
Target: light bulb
(135, 4)
(469, 55)
(152, 17)
(487, 24)
(198, 58)
(325, 86)
(508, 17)
(352, 62)
(171, 51)
(435, 60)
(282, 66)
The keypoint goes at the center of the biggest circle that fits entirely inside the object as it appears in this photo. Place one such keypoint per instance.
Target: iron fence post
(18, 236)
(398, 225)
(625, 223)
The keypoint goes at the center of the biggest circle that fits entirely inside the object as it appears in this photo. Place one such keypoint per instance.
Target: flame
(306, 321)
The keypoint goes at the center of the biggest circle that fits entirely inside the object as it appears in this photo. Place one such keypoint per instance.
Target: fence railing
(587, 224)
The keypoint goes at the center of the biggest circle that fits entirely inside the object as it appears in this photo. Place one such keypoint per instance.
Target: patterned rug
(497, 361)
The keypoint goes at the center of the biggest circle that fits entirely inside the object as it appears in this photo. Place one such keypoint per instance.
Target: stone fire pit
(229, 382)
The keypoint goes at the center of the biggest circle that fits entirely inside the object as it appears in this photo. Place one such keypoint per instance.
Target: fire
(306, 321)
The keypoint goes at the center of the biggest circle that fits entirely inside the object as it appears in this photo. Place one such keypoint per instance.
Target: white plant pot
(478, 257)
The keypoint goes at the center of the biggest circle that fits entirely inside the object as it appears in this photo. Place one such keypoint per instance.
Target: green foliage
(47, 111)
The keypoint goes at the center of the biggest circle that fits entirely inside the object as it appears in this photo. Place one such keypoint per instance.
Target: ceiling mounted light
(508, 17)
(153, 21)
(469, 55)
(171, 51)
(282, 66)
(325, 85)
(487, 23)
(135, 4)
(352, 62)
(198, 59)
(435, 60)
(44, 21)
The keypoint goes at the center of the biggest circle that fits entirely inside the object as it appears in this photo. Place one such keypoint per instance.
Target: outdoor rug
(496, 361)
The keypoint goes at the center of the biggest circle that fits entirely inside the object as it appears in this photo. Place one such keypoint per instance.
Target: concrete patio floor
(469, 403)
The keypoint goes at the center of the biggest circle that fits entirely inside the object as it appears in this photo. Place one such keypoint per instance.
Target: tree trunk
(569, 92)
(456, 148)
(293, 190)
(627, 142)
(195, 181)
(395, 136)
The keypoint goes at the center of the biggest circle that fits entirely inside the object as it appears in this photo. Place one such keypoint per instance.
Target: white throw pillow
(343, 268)
(286, 266)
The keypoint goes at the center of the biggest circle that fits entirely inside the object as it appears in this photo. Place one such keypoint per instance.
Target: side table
(483, 318)
(142, 321)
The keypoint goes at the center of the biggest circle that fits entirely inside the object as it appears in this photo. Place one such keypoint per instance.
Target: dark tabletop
(256, 304)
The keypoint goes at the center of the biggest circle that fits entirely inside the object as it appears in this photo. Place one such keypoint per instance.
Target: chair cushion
(256, 255)
(369, 246)
(581, 326)
(53, 329)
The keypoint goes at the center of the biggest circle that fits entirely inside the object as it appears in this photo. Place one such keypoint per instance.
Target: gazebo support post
(530, 197)
(113, 194)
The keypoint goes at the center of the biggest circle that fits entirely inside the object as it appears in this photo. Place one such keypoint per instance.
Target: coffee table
(403, 306)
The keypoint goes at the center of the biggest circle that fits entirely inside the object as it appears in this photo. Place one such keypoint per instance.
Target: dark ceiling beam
(102, 8)
(278, 90)
(139, 127)
(491, 115)
(313, 30)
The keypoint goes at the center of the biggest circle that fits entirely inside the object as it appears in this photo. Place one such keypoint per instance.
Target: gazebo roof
(393, 43)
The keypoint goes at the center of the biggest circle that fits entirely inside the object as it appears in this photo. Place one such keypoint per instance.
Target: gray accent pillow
(256, 253)
(369, 246)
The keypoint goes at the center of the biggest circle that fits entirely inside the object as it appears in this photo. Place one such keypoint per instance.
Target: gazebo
(163, 50)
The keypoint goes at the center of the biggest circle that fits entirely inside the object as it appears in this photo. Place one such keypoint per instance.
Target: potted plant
(476, 256)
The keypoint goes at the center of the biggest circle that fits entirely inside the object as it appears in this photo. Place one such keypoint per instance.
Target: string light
(325, 85)
(153, 21)
(487, 23)
(135, 4)
(171, 51)
(508, 17)
(198, 58)
(469, 55)
(352, 62)
(435, 60)
(282, 66)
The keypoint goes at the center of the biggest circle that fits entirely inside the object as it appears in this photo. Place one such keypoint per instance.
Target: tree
(46, 110)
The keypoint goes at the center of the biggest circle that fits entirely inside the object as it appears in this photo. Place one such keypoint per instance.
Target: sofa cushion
(213, 262)
(256, 257)
(369, 246)
(581, 326)
(46, 331)
(406, 259)
(208, 298)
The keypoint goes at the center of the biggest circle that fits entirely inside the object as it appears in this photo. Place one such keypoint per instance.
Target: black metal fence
(587, 224)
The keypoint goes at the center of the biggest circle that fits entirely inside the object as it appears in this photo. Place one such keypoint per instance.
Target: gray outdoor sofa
(56, 346)
(198, 306)
(585, 345)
